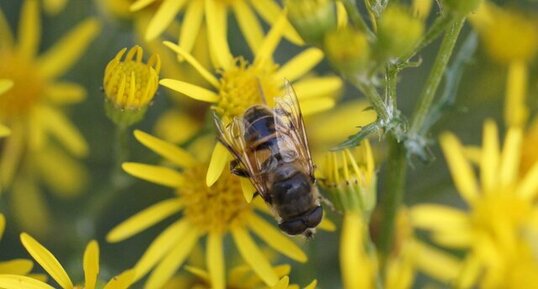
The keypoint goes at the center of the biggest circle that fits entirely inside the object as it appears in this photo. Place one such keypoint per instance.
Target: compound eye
(313, 218)
(293, 227)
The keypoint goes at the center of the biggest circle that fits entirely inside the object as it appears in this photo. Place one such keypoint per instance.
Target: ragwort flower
(241, 85)
(496, 230)
(212, 212)
(52, 266)
(214, 13)
(32, 107)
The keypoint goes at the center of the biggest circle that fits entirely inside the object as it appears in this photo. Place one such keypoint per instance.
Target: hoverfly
(271, 149)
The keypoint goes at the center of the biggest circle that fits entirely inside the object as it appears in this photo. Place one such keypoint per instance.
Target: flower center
(28, 85)
(245, 85)
(216, 208)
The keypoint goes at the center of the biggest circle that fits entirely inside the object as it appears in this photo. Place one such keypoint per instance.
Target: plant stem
(394, 195)
(436, 74)
(356, 18)
(373, 96)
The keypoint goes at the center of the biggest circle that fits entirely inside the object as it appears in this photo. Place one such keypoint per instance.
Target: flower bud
(351, 179)
(312, 18)
(347, 49)
(398, 32)
(130, 85)
(462, 7)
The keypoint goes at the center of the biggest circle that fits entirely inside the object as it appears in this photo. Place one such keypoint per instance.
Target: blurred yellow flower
(52, 266)
(211, 211)
(31, 108)
(214, 14)
(510, 38)
(5, 85)
(54, 7)
(241, 85)
(502, 212)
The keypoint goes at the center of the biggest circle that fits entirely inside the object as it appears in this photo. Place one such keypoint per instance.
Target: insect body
(270, 148)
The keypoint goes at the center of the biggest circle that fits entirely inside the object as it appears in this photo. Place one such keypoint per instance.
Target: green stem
(396, 170)
(356, 18)
(373, 96)
(436, 74)
(391, 79)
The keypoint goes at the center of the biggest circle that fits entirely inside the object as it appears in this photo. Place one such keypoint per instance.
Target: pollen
(21, 97)
(216, 208)
(129, 83)
(245, 85)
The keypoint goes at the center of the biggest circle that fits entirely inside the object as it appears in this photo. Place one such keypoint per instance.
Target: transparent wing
(290, 129)
(232, 137)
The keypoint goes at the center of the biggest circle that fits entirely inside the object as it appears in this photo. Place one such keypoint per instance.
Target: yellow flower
(211, 211)
(510, 38)
(241, 85)
(130, 85)
(52, 266)
(54, 7)
(213, 13)
(502, 211)
(31, 108)
(239, 277)
(5, 85)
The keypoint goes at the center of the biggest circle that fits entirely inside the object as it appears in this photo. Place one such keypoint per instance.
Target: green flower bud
(347, 49)
(462, 7)
(312, 18)
(398, 32)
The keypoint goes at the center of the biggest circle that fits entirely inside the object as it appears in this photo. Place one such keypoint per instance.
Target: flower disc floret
(244, 85)
(216, 208)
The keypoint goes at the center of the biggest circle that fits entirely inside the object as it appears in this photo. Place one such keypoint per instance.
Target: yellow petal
(315, 105)
(17, 266)
(144, 219)
(461, 170)
(2, 225)
(314, 282)
(139, 4)
(432, 261)
(29, 206)
(175, 258)
(301, 64)
(270, 11)
(167, 150)
(5, 85)
(438, 217)
(270, 42)
(490, 156)
(194, 63)
(249, 25)
(65, 92)
(515, 109)
(122, 281)
(511, 156)
(4, 131)
(318, 87)
(341, 15)
(165, 14)
(8, 281)
(215, 261)
(10, 155)
(215, 15)
(47, 260)
(161, 246)
(219, 159)
(65, 52)
(191, 90)
(528, 187)
(91, 265)
(248, 189)
(29, 29)
(190, 28)
(53, 7)
(5, 31)
(275, 238)
(350, 252)
(327, 225)
(61, 127)
(253, 256)
(155, 174)
(282, 283)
